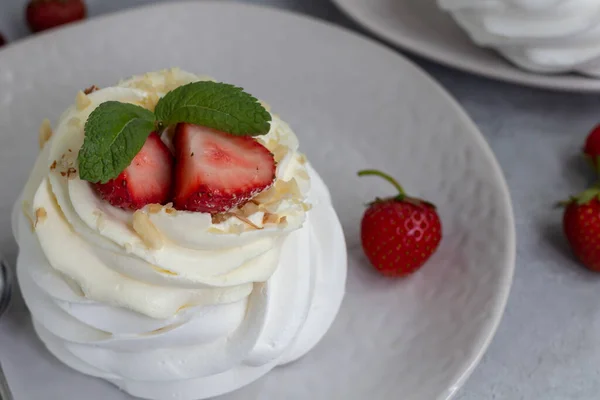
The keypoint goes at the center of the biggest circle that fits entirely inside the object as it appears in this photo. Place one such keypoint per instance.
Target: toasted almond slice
(164, 271)
(247, 221)
(279, 153)
(249, 208)
(45, 133)
(40, 216)
(171, 211)
(154, 208)
(218, 218)
(91, 89)
(82, 101)
(147, 231)
(270, 218)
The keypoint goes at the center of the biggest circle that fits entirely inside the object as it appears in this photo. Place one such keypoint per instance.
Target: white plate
(420, 27)
(354, 104)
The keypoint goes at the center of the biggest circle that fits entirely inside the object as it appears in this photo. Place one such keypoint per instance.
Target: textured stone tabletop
(548, 344)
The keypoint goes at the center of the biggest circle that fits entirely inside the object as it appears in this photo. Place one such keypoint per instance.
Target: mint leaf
(114, 133)
(216, 105)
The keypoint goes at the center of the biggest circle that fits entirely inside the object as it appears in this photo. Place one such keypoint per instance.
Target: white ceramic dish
(353, 104)
(420, 27)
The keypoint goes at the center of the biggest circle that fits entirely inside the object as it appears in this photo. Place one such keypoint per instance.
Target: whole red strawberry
(581, 224)
(399, 233)
(46, 14)
(591, 149)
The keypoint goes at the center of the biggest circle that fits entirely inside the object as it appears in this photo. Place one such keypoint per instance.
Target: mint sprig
(115, 132)
(216, 105)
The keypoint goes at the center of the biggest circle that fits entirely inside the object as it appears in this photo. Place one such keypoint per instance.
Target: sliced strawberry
(145, 181)
(216, 171)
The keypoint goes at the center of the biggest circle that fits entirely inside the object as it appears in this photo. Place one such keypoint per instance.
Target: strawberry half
(145, 181)
(216, 171)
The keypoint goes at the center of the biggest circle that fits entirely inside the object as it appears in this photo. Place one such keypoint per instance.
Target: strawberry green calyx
(584, 197)
(401, 196)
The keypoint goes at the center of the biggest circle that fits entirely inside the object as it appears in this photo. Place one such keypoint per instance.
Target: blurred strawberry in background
(46, 14)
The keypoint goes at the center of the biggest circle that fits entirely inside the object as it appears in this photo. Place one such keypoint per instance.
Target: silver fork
(5, 295)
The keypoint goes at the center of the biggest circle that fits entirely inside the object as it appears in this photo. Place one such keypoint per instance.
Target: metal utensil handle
(5, 393)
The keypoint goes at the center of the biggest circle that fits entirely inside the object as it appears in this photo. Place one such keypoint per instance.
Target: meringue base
(280, 321)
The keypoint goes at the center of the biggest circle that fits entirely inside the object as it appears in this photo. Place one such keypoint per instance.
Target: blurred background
(13, 20)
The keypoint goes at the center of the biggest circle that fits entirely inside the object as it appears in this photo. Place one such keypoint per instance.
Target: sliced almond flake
(279, 153)
(91, 89)
(82, 101)
(219, 218)
(164, 271)
(40, 216)
(71, 173)
(266, 196)
(45, 133)
(283, 220)
(270, 218)
(290, 188)
(249, 209)
(147, 231)
(154, 208)
(171, 211)
(272, 144)
(247, 221)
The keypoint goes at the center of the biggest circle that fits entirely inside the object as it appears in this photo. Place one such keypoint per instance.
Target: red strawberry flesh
(216, 171)
(46, 14)
(592, 145)
(146, 180)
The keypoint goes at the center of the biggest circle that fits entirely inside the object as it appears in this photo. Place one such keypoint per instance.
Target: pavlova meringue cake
(173, 240)
(539, 35)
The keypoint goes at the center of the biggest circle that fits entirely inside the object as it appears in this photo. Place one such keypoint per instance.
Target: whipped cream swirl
(174, 304)
(547, 36)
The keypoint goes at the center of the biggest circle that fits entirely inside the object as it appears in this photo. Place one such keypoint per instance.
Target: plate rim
(505, 285)
(511, 74)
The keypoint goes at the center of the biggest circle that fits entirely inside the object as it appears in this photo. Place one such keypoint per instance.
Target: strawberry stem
(385, 176)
